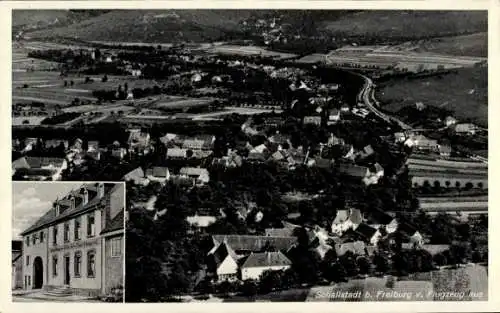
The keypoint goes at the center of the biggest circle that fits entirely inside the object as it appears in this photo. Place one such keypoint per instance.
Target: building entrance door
(37, 273)
(66, 270)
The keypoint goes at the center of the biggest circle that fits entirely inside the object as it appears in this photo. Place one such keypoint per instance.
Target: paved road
(366, 95)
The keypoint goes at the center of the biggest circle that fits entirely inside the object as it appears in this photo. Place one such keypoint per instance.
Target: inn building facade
(78, 245)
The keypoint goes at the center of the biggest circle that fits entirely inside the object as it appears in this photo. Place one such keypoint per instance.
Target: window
(78, 263)
(54, 235)
(78, 228)
(34, 239)
(116, 247)
(91, 263)
(27, 241)
(29, 280)
(42, 236)
(91, 225)
(54, 265)
(66, 232)
(27, 260)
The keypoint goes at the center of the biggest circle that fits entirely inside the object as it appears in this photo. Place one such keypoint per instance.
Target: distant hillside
(152, 26)
(210, 25)
(30, 20)
(409, 23)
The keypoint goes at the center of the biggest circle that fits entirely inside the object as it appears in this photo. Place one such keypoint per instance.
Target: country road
(366, 95)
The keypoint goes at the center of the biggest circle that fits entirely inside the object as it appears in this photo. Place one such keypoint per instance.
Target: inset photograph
(68, 241)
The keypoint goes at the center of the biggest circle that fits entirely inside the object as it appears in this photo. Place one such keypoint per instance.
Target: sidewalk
(39, 295)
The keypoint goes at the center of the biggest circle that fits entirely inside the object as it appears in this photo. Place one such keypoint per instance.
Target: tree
(348, 261)
(440, 259)
(269, 281)
(381, 263)
(249, 288)
(178, 282)
(364, 265)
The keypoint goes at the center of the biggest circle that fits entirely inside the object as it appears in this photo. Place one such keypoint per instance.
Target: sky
(30, 200)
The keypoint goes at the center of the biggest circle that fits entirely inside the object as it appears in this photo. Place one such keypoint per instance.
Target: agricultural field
(99, 108)
(249, 51)
(464, 92)
(173, 103)
(27, 120)
(465, 45)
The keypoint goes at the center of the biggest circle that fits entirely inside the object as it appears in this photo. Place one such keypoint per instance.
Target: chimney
(85, 195)
(56, 205)
(72, 201)
(100, 190)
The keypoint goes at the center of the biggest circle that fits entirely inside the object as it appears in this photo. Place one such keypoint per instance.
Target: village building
(39, 168)
(77, 245)
(444, 150)
(176, 153)
(200, 221)
(449, 121)
(56, 143)
(231, 160)
(312, 120)
(17, 264)
(258, 263)
(466, 128)
(363, 232)
(356, 247)
(137, 176)
(196, 174)
(422, 143)
(228, 252)
(346, 219)
(138, 141)
(159, 174)
(333, 116)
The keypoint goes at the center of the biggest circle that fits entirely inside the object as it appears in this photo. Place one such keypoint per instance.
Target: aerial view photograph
(267, 155)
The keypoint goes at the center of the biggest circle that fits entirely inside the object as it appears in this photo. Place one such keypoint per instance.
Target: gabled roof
(223, 251)
(134, 174)
(176, 153)
(323, 163)
(193, 171)
(407, 228)
(50, 217)
(36, 162)
(353, 170)
(280, 232)
(365, 230)
(255, 243)
(157, 171)
(381, 217)
(266, 259)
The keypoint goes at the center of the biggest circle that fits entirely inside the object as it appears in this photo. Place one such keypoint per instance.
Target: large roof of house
(193, 171)
(157, 171)
(255, 243)
(222, 251)
(366, 230)
(354, 215)
(266, 259)
(117, 223)
(353, 170)
(50, 216)
(36, 162)
(134, 174)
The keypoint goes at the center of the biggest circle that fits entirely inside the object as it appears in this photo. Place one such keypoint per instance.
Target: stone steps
(59, 292)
